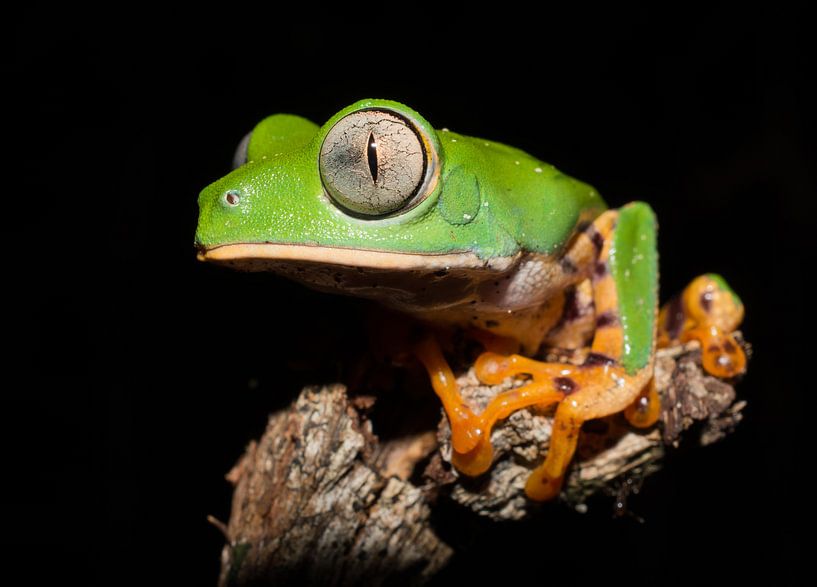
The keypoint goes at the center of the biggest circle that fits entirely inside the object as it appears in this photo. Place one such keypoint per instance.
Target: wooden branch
(610, 451)
(319, 500)
(309, 507)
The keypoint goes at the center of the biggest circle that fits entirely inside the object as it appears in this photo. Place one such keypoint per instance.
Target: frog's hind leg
(707, 311)
(620, 362)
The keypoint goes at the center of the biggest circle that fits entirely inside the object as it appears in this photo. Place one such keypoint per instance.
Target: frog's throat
(262, 256)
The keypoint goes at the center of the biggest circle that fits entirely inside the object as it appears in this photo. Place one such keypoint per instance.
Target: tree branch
(319, 500)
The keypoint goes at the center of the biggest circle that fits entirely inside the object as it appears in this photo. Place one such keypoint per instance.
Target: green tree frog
(472, 233)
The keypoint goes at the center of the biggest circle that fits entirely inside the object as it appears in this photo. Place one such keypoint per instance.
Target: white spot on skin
(574, 403)
(487, 144)
(564, 372)
(453, 140)
(444, 129)
(466, 217)
(538, 170)
(581, 508)
(516, 162)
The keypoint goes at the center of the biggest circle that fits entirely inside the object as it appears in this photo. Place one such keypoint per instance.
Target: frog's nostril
(232, 198)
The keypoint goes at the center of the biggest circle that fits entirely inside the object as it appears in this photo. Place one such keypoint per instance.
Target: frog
(476, 235)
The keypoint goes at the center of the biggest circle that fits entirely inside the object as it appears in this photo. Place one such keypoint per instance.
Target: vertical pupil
(371, 151)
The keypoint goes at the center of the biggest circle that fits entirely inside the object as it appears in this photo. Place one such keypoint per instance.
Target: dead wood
(320, 500)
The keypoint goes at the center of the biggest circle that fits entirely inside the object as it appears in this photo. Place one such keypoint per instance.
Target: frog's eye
(374, 163)
(240, 157)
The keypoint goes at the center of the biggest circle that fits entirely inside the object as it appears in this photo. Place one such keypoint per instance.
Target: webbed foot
(707, 311)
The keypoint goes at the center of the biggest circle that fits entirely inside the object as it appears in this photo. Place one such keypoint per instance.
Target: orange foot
(707, 311)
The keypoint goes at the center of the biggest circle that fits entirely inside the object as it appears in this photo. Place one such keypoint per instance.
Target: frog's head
(375, 198)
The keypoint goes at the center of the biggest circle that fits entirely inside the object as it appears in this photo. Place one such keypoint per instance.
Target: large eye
(373, 162)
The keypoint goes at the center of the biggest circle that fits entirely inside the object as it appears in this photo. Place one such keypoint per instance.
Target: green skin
(491, 203)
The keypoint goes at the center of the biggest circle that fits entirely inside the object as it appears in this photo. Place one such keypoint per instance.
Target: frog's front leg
(466, 427)
(621, 256)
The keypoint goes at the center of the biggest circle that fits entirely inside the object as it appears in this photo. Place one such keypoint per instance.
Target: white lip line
(352, 257)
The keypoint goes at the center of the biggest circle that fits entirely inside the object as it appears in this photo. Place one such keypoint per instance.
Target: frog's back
(534, 202)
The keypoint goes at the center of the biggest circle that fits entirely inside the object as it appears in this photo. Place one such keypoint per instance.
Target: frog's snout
(201, 249)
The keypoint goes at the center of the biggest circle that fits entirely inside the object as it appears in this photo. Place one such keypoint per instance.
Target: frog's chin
(414, 283)
(451, 286)
(272, 256)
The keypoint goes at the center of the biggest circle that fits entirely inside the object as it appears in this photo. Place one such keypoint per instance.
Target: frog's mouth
(408, 282)
(271, 256)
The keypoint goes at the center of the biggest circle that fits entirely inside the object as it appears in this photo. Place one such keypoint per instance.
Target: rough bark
(311, 507)
(319, 500)
(611, 454)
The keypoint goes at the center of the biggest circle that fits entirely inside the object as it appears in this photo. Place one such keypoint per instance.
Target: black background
(135, 376)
